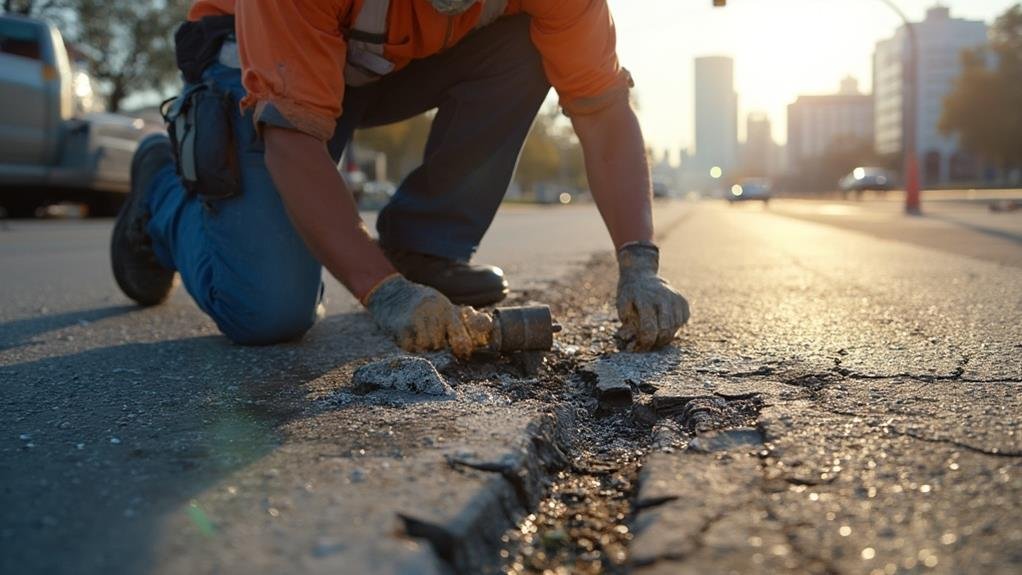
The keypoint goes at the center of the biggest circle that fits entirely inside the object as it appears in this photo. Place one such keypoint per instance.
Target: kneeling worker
(298, 77)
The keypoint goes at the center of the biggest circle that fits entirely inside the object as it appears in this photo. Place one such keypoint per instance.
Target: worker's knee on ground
(271, 321)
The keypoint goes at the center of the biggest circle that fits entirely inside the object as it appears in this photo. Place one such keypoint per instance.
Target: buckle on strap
(368, 60)
(492, 9)
(366, 38)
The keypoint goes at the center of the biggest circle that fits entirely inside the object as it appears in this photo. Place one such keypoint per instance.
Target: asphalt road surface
(845, 400)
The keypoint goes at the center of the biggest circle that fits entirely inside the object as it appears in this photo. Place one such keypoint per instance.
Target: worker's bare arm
(419, 318)
(618, 172)
(651, 311)
(322, 209)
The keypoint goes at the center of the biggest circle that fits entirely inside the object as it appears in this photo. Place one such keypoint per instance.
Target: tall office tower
(716, 114)
(941, 41)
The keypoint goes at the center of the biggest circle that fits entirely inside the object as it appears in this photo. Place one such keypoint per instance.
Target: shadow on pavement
(993, 232)
(99, 447)
(21, 332)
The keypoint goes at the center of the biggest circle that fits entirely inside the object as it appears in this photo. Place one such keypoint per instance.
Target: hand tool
(526, 328)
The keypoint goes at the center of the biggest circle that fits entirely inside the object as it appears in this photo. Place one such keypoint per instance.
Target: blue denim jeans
(241, 258)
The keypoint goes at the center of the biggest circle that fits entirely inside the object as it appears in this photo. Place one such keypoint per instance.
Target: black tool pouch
(197, 44)
(200, 125)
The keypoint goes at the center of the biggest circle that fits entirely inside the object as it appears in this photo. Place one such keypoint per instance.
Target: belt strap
(366, 39)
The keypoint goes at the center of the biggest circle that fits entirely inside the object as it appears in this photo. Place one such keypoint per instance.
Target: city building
(761, 156)
(716, 116)
(816, 123)
(941, 40)
(664, 173)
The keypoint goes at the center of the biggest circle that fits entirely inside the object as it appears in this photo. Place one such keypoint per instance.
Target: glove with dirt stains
(420, 318)
(651, 311)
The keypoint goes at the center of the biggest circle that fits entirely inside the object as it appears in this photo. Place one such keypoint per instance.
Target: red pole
(913, 204)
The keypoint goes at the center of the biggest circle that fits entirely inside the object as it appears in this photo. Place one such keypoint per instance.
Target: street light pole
(910, 167)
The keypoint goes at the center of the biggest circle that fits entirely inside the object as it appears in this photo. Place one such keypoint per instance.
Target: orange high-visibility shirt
(293, 52)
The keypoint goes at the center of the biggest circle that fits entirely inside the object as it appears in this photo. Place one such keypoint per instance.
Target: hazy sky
(782, 48)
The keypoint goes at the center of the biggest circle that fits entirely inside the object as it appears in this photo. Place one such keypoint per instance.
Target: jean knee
(269, 321)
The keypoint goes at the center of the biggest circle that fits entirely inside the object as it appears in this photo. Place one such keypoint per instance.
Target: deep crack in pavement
(584, 520)
(782, 484)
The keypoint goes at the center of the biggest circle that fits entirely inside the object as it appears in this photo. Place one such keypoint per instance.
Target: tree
(128, 44)
(983, 107)
(540, 160)
(29, 7)
(403, 144)
(551, 152)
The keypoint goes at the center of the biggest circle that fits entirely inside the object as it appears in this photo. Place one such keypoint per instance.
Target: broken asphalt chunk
(726, 440)
(405, 373)
(613, 382)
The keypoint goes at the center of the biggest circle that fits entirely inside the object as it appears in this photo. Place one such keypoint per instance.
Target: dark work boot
(139, 275)
(462, 282)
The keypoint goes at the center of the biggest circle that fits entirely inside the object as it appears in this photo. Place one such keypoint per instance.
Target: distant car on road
(750, 189)
(660, 190)
(864, 179)
(51, 150)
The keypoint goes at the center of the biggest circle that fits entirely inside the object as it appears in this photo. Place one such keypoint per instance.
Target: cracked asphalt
(845, 400)
(891, 430)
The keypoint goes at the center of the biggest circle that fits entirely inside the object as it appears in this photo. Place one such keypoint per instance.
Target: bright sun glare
(782, 48)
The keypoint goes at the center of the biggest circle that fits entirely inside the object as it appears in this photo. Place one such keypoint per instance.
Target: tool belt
(197, 44)
(200, 122)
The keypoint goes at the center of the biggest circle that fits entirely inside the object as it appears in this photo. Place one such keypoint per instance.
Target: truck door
(24, 76)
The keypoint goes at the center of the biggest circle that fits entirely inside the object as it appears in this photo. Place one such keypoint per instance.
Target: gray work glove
(420, 318)
(651, 311)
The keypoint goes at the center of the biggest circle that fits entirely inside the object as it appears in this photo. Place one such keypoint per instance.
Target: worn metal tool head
(530, 328)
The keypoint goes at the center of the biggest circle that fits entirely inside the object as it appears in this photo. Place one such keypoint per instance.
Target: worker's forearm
(323, 211)
(618, 172)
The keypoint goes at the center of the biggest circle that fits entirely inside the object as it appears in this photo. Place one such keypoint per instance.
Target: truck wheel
(106, 206)
(19, 209)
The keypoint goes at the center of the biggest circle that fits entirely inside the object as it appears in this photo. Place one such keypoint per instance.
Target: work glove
(420, 318)
(651, 311)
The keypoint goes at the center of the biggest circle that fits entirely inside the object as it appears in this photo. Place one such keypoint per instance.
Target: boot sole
(162, 278)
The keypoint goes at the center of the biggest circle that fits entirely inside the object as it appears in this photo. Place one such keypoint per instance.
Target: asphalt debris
(405, 373)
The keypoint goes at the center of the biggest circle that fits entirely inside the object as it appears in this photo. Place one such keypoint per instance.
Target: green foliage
(27, 7)
(983, 108)
(129, 45)
(551, 152)
(403, 144)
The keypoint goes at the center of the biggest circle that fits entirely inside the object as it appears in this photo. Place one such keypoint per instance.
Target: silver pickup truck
(52, 148)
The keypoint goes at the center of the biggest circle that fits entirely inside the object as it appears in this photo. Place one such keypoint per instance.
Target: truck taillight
(50, 73)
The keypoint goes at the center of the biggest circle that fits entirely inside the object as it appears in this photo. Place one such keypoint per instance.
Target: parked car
(750, 189)
(864, 179)
(376, 194)
(660, 190)
(51, 148)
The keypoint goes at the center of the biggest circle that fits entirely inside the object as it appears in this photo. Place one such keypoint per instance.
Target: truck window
(20, 39)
